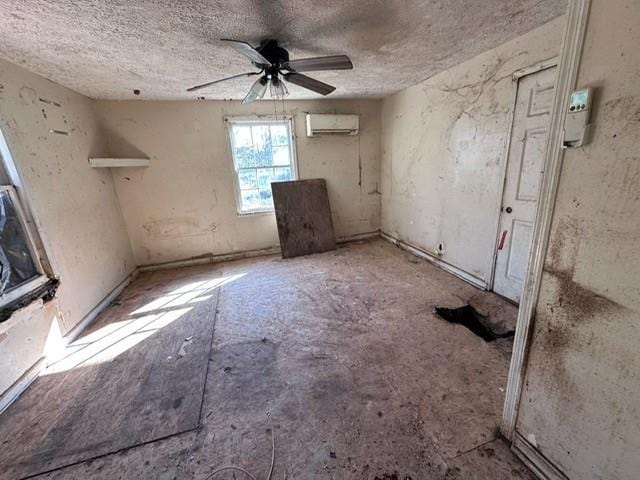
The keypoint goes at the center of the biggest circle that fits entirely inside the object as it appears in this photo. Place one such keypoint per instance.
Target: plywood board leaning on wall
(303, 215)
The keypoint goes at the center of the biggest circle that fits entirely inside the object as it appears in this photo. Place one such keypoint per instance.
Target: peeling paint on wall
(177, 228)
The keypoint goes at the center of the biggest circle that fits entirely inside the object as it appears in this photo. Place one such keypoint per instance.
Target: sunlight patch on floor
(117, 337)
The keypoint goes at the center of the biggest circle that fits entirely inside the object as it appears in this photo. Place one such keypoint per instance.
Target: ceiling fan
(274, 64)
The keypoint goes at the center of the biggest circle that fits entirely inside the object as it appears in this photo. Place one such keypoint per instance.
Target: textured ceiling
(106, 49)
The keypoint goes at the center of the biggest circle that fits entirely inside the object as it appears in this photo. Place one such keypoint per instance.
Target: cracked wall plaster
(444, 150)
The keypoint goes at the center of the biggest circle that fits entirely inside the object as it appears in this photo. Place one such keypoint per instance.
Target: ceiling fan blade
(309, 83)
(334, 62)
(257, 90)
(248, 51)
(204, 85)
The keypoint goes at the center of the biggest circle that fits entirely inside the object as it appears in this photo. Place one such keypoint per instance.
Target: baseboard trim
(14, 391)
(417, 251)
(90, 317)
(204, 260)
(358, 237)
(225, 257)
(534, 460)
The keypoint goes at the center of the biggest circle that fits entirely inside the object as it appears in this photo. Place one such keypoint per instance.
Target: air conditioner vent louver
(332, 124)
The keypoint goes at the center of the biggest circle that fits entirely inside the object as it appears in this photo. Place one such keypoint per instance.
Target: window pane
(266, 198)
(247, 179)
(250, 200)
(16, 264)
(279, 134)
(261, 137)
(262, 145)
(242, 135)
(263, 157)
(281, 156)
(265, 176)
(245, 157)
(282, 174)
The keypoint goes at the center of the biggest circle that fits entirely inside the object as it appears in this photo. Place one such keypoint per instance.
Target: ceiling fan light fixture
(257, 91)
(278, 89)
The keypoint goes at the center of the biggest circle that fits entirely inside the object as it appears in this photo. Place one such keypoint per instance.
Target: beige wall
(75, 207)
(23, 339)
(444, 152)
(184, 204)
(581, 400)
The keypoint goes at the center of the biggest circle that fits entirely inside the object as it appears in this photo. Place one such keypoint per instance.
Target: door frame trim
(571, 53)
(515, 77)
(533, 459)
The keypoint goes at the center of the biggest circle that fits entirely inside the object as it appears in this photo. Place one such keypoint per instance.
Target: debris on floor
(467, 316)
(498, 315)
(183, 348)
(393, 476)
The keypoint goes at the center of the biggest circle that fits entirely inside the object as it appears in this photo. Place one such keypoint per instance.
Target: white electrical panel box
(334, 124)
(577, 124)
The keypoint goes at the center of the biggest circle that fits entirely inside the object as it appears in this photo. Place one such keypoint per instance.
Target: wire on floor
(242, 470)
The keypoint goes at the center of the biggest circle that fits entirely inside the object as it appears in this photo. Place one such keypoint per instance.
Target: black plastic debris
(468, 317)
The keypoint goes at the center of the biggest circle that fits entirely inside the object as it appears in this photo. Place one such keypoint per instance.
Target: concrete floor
(361, 379)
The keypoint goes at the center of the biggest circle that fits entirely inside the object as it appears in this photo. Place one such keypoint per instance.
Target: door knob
(509, 209)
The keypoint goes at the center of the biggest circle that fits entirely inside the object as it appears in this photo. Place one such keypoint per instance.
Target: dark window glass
(16, 265)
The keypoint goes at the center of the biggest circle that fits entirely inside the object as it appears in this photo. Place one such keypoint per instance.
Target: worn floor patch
(137, 376)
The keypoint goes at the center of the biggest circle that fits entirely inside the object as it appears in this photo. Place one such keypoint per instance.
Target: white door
(524, 166)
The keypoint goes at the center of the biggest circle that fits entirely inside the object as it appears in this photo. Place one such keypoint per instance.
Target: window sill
(257, 213)
(41, 288)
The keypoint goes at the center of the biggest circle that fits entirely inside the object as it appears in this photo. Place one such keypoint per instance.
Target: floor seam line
(209, 359)
(115, 452)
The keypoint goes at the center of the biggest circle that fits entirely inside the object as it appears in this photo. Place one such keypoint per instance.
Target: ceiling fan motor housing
(270, 50)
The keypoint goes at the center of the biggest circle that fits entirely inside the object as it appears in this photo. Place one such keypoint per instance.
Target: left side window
(20, 270)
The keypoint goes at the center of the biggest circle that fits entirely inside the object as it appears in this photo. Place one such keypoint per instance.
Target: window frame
(9, 297)
(259, 120)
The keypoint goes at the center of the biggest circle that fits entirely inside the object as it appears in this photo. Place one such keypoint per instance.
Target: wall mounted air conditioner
(332, 124)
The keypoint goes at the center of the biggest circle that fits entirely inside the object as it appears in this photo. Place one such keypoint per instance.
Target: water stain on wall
(177, 227)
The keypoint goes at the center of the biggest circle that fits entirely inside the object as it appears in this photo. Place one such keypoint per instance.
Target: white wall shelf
(119, 162)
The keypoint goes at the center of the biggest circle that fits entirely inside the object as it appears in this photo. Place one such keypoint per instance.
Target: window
(263, 152)
(17, 263)
(20, 269)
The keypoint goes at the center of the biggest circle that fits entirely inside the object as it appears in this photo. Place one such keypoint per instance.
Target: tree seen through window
(262, 154)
